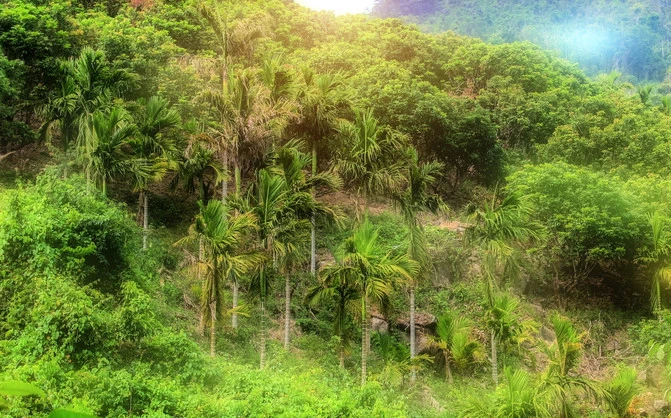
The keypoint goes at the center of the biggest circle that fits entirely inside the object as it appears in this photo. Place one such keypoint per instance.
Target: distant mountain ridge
(631, 36)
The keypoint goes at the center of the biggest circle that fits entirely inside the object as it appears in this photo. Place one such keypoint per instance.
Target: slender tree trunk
(145, 221)
(368, 326)
(238, 180)
(287, 310)
(448, 369)
(213, 320)
(234, 317)
(263, 335)
(104, 187)
(201, 251)
(224, 184)
(413, 346)
(342, 354)
(313, 247)
(140, 208)
(236, 290)
(364, 336)
(495, 364)
(313, 232)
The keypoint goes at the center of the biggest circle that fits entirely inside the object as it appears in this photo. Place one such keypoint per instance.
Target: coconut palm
(657, 259)
(362, 264)
(414, 199)
(501, 229)
(371, 163)
(222, 236)
(156, 150)
(454, 343)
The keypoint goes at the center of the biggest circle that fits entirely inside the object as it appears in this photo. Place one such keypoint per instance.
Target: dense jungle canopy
(253, 209)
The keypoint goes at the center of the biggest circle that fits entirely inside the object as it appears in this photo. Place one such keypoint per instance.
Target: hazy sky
(339, 6)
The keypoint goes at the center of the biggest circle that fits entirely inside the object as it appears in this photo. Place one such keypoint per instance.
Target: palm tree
(501, 229)
(518, 397)
(245, 117)
(657, 260)
(505, 325)
(222, 235)
(267, 201)
(235, 39)
(345, 295)
(622, 390)
(455, 344)
(156, 150)
(88, 84)
(363, 265)
(412, 200)
(197, 171)
(560, 379)
(103, 140)
(372, 162)
(318, 105)
(301, 206)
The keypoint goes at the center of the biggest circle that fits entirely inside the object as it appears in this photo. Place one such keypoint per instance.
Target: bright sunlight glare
(340, 7)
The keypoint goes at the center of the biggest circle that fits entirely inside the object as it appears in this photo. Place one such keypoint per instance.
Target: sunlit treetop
(339, 7)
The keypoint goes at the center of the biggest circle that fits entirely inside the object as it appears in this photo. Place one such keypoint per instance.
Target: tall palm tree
(221, 234)
(103, 139)
(245, 117)
(455, 344)
(501, 229)
(363, 265)
(156, 150)
(300, 206)
(658, 261)
(267, 201)
(87, 85)
(414, 199)
(235, 38)
(372, 162)
(318, 104)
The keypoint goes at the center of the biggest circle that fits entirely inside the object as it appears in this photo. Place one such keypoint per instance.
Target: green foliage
(622, 389)
(455, 345)
(517, 397)
(650, 331)
(55, 227)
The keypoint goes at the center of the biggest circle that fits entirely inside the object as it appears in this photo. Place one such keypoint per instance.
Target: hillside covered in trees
(603, 36)
(251, 209)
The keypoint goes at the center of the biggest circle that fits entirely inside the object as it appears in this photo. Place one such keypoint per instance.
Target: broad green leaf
(64, 413)
(15, 388)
